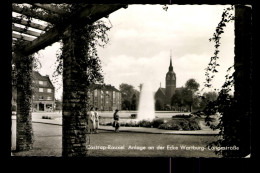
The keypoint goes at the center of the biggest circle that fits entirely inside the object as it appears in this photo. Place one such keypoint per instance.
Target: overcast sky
(141, 39)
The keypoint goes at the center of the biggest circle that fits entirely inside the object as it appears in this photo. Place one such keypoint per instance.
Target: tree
(133, 102)
(191, 86)
(207, 97)
(158, 105)
(177, 99)
(128, 92)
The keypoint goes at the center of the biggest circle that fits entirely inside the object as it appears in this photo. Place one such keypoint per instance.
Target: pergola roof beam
(87, 15)
(23, 37)
(29, 32)
(31, 24)
(34, 14)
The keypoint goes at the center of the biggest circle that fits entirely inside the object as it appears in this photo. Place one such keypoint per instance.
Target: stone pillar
(243, 75)
(24, 132)
(74, 101)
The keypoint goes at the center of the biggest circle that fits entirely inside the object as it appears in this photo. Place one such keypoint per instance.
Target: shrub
(182, 116)
(46, 117)
(158, 121)
(145, 123)
(198, 113)
(182, 124)
(170, 126)
(133, 116)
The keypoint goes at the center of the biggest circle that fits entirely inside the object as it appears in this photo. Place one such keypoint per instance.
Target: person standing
(90, 118)
(96, 121)
(116, 121)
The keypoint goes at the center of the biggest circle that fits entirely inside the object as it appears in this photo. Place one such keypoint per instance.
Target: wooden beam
(50, 8)
(34, 14)
(48, 38)
(29, 32)
(31, 24)
(23, 37)
(86, 15)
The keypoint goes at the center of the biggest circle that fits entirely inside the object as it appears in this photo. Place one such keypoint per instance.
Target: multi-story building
(43, 98)
(105, 97)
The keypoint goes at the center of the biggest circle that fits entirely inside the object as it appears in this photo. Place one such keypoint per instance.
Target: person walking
(96, 121)
(116, 121)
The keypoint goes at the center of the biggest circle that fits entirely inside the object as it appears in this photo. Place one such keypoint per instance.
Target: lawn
(125, 144)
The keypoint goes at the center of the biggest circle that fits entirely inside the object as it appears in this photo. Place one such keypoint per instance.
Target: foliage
(192, 85)
(177, 98)
(182, 116)
(180, 124)
(145, 123)
(134, 102)
(158, 105)
(129, 96)
(206, 98)
(211, 69)
(133, 116)
(158, 121)
(186, 95)
(230, 113)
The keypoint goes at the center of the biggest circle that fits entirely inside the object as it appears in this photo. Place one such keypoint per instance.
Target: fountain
(146, 109)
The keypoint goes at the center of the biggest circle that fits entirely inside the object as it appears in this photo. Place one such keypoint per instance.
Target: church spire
(171, 67)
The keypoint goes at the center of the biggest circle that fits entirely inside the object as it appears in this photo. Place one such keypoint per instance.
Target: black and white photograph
(131, 80)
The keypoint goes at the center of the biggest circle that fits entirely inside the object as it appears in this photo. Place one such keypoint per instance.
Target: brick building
(105, 97)
(43, 97)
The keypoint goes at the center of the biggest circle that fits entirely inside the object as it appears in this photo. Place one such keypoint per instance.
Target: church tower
(170, 81)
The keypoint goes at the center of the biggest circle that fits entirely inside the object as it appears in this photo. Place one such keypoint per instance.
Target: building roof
(37, 76)
(162, 90)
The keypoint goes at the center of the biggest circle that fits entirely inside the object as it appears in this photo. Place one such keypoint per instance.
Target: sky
(142, 39)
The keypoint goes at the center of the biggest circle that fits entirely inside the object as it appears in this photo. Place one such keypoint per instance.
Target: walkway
(205, 129)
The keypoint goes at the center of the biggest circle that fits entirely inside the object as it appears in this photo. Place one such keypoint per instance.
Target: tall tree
(133, 102)
(177, 99)
(128, 92)
(207, 96)
(191, 86)
(158, 105)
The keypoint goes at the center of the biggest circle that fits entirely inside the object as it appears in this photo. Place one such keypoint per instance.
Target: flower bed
(161, 123)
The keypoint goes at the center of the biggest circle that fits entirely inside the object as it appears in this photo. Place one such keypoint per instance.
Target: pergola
(46, 25)
(48, 16)
(53, 20)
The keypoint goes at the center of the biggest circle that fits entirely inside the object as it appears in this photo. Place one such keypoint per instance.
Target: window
(40, 89)
(49, 90)
(49, 98)
(95, 93)
(43, 82)
(40, 97)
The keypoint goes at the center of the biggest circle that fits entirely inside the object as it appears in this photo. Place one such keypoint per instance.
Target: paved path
(48, 141)
(205, 129)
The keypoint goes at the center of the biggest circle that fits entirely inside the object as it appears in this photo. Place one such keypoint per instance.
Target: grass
(149, 140)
